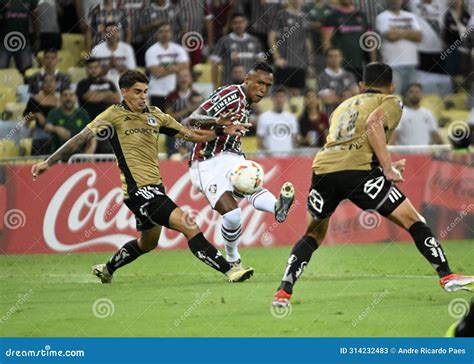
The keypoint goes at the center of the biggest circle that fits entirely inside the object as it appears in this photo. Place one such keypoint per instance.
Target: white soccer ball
(247, 177)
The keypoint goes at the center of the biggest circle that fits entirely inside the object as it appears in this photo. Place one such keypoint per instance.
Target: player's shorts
(211, 176)
(151, 207)
(369, 190)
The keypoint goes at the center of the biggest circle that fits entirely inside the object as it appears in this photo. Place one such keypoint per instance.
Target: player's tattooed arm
(200, 119)
(68, 148)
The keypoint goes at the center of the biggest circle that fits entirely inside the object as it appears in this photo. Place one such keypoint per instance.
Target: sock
(207, 253)
(466, 327)
(430, 248)
(126, 254)
(299, 258)
(231, 231)
(263, 200)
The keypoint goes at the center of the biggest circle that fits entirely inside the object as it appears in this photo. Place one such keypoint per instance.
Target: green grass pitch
(347, 290)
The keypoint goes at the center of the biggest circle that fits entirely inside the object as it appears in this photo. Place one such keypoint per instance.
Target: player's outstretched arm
(72, 145)
(375, 130)
(199, 119)
(201, 136)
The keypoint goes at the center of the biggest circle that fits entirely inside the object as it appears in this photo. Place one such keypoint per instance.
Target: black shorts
(291, 77)
(369, 190)
(151, 207)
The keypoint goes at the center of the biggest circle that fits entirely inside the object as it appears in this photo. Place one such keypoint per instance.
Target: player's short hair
(131, 77)
(378, 74)
(331, 49)
(262, 66)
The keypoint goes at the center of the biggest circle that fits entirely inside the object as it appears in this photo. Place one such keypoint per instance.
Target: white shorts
(211, 176)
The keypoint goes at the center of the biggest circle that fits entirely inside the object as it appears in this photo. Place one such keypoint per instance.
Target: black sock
(126, 254)
(466, 327)
(299, 258)
(430, 247)
(207, 253)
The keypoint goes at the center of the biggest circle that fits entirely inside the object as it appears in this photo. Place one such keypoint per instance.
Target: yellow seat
(448, 116)
(434, 103)
(67, 60)
(11, 77)
(265, 104)
(8, 148)
(296, 105)
(77, 73)
(31, 71)
(205, 72)
(457, 101)
(7, 95)
(14, 110)
(249, 144)
(74, 43)
(25, 145)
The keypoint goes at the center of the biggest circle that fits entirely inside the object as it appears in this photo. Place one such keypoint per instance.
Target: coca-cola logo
(94, 220)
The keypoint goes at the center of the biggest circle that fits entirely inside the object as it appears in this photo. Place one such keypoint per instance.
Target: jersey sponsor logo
(316, 201)
(225, 101)
(146, 131)
(431, 242)
(435, 248)
(373, 186)
(151, 120)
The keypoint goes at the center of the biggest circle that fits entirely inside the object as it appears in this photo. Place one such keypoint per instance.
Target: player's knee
(148, 243)
(232, 219)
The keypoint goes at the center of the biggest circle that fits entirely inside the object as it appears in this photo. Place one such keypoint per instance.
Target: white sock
(263, 200)
(231, 231)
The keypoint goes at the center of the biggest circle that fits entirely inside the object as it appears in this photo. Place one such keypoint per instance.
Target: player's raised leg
(406, 216)
(264, 200)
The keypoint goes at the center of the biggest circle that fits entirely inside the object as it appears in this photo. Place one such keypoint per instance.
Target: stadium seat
(7, 94)
(31, 71)
(67, 60)
(448, 116)
(14, 110)
(77, 74)
(249, 144)
(434, 103)
(295, 105)
(8, 148)
(265, 104)
(25, 146)
(74, 43)
(11, 77)
(456, 101)
(204, 69)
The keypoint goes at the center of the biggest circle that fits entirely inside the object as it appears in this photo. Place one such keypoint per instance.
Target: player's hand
(399, 165)
(237, 129)
(228, 119)
(393, 174)
(39, 169)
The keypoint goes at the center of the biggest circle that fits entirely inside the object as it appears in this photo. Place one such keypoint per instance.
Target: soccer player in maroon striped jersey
(212, 161)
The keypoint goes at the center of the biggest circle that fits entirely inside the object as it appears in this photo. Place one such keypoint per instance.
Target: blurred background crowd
(60, 62)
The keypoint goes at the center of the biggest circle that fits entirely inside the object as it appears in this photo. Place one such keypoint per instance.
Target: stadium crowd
(69, 55)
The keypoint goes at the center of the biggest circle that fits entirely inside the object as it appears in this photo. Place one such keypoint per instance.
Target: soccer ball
(247, 177)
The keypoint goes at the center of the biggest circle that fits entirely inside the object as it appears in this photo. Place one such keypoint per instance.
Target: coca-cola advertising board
(79, 208)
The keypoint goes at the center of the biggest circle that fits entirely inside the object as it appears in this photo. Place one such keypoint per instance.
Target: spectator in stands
(316, 11)
(192, 13)
(236, 47)
(313, 123)
(50, 33)
(277, 130)
(16, 18)
(106, 12)
(135, 10)
(456, 21)
(115, 56)
(217, 16)
(289, 45)
(418, 126)
(401, 34)
(262, 15)
(238, 73)
(430, 18)
(164, 60)
(95, 94)
(344, 28)
(67, 120)
(371, 8)
(38, 107)
(71, 16)
(49, 63)
(180, 104)
(157, 12)
(335, 83)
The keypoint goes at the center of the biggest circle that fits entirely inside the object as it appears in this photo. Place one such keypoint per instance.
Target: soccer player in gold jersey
(133, 128)
(355, 164)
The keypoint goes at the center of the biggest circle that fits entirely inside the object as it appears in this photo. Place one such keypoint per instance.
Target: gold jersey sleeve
(104, 122)
(347, 145)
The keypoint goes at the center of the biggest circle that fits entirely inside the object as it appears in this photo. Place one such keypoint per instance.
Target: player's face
(135, 96)
(258, 85)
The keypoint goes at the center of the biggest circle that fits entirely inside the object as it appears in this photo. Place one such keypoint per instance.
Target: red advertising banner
(79, 208)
